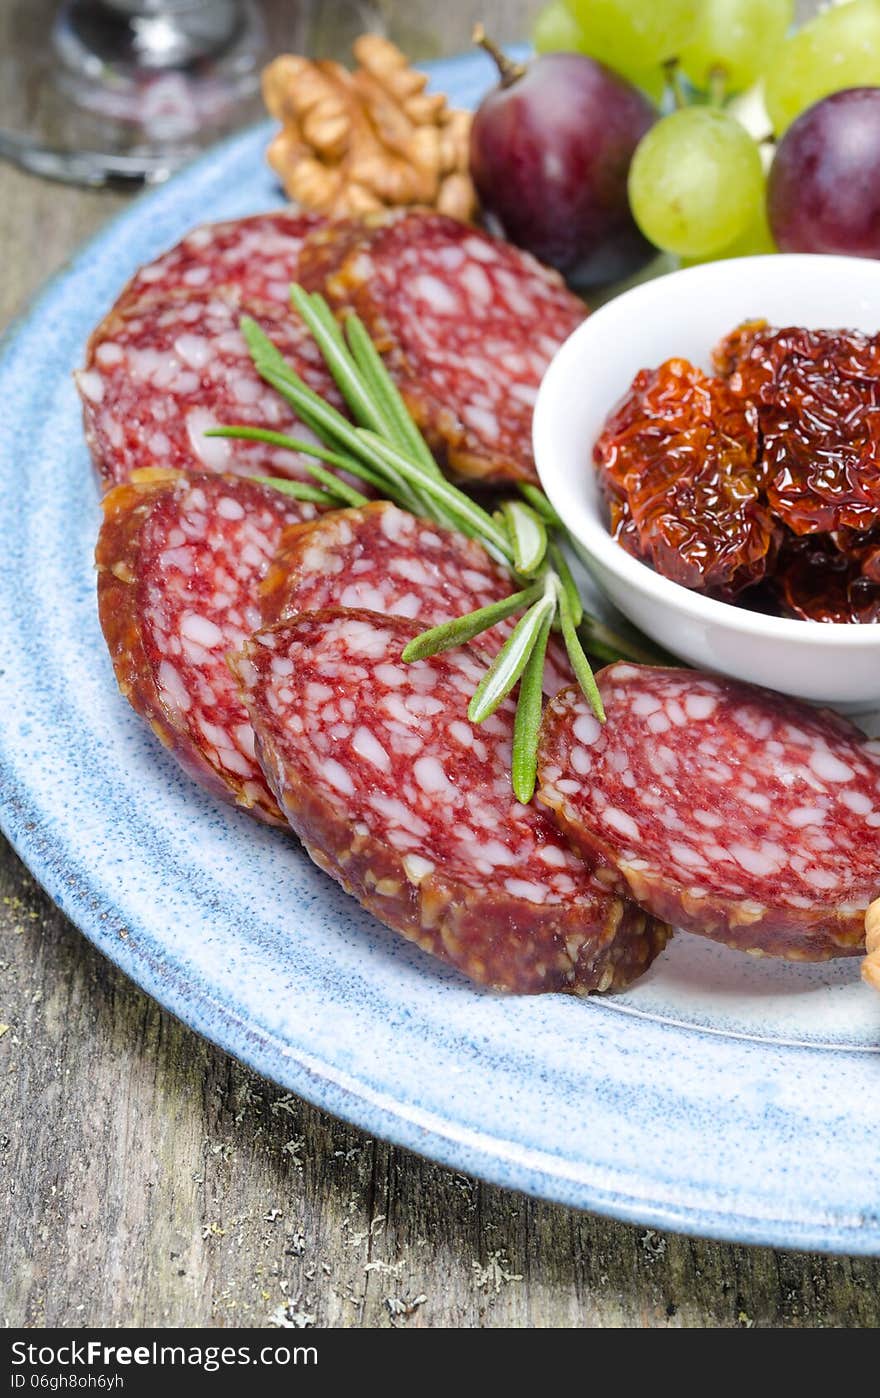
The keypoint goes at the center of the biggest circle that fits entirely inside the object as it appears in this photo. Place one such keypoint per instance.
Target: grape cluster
(697, 181)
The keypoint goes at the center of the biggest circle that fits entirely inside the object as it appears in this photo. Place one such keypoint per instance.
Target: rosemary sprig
(367, 409)
(462, 629)
(527, 724)
(534, 496)
(279, 439)
(465, 512)
(579, 662)
(513, 656)
(369, 361)
(560, 563)
(299, 490)
(340, 492)
(528, 535)
(384, 447)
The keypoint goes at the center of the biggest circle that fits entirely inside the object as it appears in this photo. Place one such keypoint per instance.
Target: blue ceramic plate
(720, 1096)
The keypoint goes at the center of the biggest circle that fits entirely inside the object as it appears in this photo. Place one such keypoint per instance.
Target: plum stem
(510, 72)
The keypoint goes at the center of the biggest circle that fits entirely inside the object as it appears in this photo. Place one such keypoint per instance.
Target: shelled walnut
(357, 142)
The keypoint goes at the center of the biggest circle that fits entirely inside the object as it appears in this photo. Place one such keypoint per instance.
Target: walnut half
(358, 142)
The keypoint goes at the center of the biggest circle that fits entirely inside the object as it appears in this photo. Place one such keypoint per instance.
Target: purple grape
(824, 189)
(550, 153)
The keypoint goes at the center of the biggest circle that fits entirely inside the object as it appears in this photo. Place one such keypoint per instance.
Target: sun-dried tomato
(817, 582)
(678, 459)
(862, 546)
(767, 477)
(817, 393)
(622, 526)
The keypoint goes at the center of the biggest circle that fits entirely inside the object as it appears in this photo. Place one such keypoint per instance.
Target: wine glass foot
(129, 91)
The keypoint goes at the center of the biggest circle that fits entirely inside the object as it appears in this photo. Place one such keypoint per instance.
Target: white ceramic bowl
(685, 314)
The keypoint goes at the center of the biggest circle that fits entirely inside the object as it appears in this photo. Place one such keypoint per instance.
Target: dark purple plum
(823, 194)
(550, 152)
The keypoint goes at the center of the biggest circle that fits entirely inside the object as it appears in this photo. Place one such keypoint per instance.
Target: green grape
(756, 239)
(696, 182)
(635, 36)
(557, 31)
(652, 82)
(840, 48)
(740, 38)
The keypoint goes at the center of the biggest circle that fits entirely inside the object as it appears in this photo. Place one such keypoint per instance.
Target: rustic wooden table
(148, 1179)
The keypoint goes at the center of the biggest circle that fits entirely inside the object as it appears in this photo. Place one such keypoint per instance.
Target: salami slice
(409, 807)
(326, 248)
(258, 255)
(160, 374)
(386, 560)
(725, 809)
(180, 559)
(468, 325)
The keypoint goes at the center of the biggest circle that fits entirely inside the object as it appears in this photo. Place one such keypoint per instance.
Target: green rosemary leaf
(341, 489)
(297, 489)
(323, 311)
(528, 535)
(339, 361)
(260, 346)
(461, 506)
(336, 431)
(318, 416)
(511, 660)
(406, 433)
(579, 662)
(560, 563)
(240, 432)
(538, 501)
(395, 487)
(464, 628)
(333, 428)
(347, 463)
(271, 365)
(527, 724)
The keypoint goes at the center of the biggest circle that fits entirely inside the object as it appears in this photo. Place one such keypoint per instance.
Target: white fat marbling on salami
(197, 548)
(386, 560)
(259, 255)
(470, 323)
(163, 373)
(755, 800)
(397, 772)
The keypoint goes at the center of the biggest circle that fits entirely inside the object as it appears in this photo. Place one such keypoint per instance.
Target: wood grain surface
(148, 1179)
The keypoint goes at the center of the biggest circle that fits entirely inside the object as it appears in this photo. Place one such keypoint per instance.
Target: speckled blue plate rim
(266, 1055)
(543, 1174)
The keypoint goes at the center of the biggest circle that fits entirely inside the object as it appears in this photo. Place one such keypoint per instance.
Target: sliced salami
(161, 373)
(326, 248)
(386, 560)
(258, 255)
(180, 559)
(727, 810)
(409, 807)
(468, 325)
